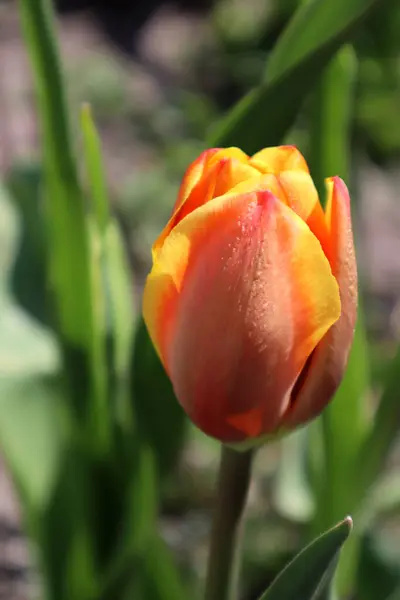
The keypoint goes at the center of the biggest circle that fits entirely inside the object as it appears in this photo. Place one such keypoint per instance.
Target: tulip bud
(251, 301)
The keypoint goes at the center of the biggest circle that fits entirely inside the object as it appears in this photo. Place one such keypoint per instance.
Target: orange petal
(192, 175)
(327, 364)
(201, 165)
(302, 197)
(218, 179)
(297, 190)
(238, 298)
(278, 159)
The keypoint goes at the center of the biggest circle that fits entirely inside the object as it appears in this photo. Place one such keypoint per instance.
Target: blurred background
(157, 74)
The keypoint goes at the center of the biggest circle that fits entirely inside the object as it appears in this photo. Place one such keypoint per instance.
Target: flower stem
(223, 563)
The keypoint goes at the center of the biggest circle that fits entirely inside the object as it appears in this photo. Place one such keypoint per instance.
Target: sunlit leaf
(315, 33)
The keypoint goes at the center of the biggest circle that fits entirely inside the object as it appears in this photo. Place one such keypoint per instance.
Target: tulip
(251, 301)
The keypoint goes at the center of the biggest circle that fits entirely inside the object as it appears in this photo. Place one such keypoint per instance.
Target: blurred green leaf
(64, 206)
(378, 571)
(307, 575)
(138, 525)
(98, 221)
(161, 579)
(344, 428)
(159, 416)
(9, 231)
(385, 427)
(332, 118)
(384, 497)
(115, 287)
(344, 421)
(292, 493)
(32, 435)
(95, 169)
(315, 33)
(121, 300)
(28, 276)
(63, 535)
(25, 347)
(395, 595)
(73, 252)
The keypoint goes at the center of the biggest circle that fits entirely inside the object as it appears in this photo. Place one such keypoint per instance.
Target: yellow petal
(327, 364)
(278, 159)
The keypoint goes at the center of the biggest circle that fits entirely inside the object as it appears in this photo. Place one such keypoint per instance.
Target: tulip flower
(251, 301)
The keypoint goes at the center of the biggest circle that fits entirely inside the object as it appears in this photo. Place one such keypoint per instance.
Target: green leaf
(26, 348)
(158, 414)
(306, 575)
(332, 119)
(95, 169)
(114, 285)
(378, 566)
(344, 421)
(140, 511)
(161, 579)
(395, 595)
(325, 590)
(65, 216)
(73, 256)
(121, 302)
(316, 32)
(98, 222)
(31, 435)
(292, 493)
(28, 275)
(384, 432)
(63, 535)
(344, 428)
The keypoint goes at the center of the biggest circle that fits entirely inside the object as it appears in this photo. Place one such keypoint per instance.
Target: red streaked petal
(238, 298)
(201, 165)
(297, 190)
(302, 197)
(326, 367)
(193, 174)
(220, 177)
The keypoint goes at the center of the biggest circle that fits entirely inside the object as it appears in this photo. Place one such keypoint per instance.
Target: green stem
(223, 563)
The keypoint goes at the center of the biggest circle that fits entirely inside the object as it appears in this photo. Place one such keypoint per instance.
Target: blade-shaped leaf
(95, 169)
(292, 493)
(117, 284)
(304, 576)
(139, 524)
(31, 435)
(28, 275)
(73, 261)
(395, 595)
(64, 206)
(325, 590)
(344, 421)
(316, 32)
(158, 414)
(385, 428)
(161, 579)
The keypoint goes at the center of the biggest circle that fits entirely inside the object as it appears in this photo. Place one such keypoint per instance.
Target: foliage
(89, 425)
